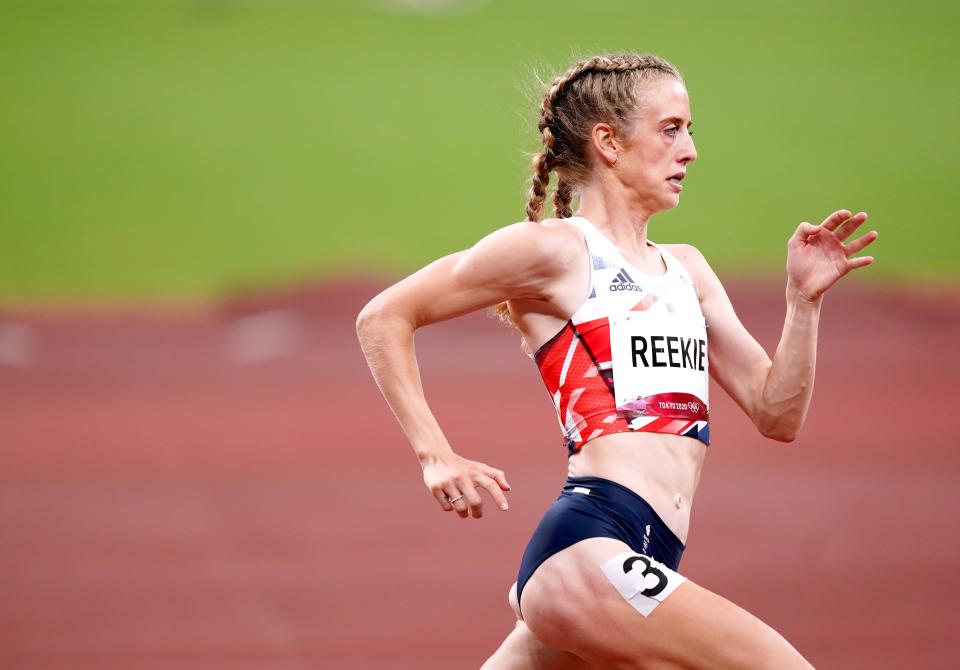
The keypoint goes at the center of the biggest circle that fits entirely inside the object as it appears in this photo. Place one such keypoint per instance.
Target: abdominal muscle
(662, 469)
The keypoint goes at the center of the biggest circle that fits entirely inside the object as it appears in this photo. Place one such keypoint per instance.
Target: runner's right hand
(454, 482)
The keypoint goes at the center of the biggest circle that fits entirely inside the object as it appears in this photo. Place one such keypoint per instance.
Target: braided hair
(606, 88)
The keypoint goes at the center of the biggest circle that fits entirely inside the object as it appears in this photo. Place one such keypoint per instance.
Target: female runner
(624, 332)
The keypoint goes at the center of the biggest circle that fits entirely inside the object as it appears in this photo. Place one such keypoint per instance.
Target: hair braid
(543, 164)
(563, 198)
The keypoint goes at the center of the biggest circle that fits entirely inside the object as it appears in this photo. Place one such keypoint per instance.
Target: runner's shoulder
(563, 238)
(552, 242)
(704, 278)
(691, 258)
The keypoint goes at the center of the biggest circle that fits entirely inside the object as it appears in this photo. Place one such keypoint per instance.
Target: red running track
(226, 489)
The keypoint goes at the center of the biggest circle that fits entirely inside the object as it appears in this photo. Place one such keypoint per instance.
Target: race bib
(642, 581)
(660, 365)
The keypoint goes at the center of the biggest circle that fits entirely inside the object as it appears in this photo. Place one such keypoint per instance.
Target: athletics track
(226, 489)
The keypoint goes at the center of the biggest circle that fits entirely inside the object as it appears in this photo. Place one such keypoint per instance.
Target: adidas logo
(624, 282)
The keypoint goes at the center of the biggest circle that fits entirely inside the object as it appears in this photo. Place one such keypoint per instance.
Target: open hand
(817, 256)
(454, 482)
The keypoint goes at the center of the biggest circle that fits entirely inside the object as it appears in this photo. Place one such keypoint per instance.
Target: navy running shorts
(596, 507)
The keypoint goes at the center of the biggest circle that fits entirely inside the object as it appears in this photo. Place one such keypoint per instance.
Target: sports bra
(649, 331)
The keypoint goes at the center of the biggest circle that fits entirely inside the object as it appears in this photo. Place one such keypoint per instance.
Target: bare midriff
(662, 469)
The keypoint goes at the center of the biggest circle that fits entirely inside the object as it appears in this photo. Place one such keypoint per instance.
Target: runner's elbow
(781, 436)
(383, 314)
(777, 427)
(371, 317)
(778, 432)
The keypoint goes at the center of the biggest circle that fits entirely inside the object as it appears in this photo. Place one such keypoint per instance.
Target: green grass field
(179, 150)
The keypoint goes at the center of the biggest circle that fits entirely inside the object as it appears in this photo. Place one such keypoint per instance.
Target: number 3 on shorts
(642, 581)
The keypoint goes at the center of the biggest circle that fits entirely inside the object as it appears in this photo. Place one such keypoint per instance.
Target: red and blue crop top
(669, 367)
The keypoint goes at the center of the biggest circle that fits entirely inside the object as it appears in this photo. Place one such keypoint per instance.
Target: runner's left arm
(776, 393)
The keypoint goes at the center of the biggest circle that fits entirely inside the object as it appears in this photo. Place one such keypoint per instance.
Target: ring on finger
(453, 500)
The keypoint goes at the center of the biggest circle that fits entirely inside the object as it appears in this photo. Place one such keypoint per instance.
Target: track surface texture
(226, 489)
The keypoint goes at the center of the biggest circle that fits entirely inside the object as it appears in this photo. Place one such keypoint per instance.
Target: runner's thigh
(570, 604)
(522, 651)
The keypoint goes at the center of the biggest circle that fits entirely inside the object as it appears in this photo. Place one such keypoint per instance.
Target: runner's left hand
(817, 256)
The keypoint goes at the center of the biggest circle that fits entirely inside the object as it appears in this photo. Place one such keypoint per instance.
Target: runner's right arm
(519, 261)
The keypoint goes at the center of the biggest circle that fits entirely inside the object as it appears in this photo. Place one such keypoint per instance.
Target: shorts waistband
(624, 498)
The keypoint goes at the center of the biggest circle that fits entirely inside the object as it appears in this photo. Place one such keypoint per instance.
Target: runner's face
(659, 147)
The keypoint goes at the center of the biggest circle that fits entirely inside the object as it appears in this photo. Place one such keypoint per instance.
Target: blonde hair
(606, 88)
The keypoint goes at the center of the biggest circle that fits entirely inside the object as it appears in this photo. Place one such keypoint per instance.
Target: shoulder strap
(673, 263)
(592, 234)
(602, 251)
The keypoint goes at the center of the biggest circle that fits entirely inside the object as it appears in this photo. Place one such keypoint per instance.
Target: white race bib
(642, 581)
(660, 365)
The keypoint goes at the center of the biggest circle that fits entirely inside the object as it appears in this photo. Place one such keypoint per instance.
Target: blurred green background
(182, 150)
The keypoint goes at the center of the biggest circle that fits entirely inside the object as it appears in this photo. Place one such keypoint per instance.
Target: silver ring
(453, 500)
